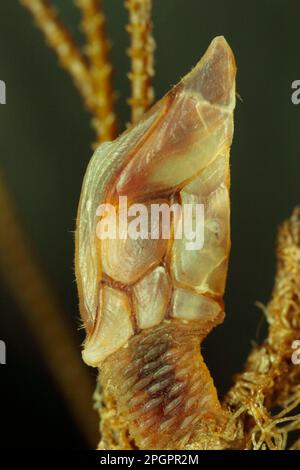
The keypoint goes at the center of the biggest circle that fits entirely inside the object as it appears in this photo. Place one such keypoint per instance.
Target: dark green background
(45, 143)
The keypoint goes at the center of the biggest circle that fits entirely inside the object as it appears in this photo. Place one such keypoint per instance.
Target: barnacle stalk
(43, 312)
(141, 53)
(100, 68)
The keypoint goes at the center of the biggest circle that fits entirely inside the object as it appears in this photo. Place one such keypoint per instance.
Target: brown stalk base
(160, 389)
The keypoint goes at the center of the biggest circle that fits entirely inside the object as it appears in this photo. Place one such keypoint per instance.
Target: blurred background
(45, 145)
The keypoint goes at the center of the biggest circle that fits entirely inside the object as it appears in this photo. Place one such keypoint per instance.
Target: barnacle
(148, 303)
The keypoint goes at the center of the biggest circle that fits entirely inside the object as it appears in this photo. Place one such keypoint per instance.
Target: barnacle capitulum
(147, 304)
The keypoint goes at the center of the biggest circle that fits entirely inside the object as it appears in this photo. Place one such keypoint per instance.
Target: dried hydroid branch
(296, 445)
(38, 302)
(61, 42)
(141, 53)
(100, 68)
(113, 428)
(270, 378)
